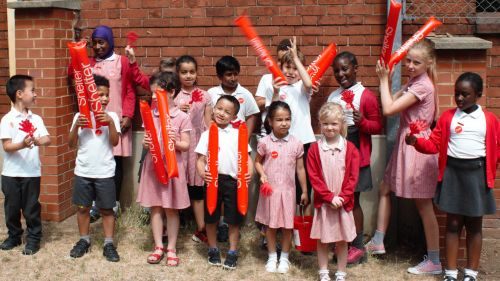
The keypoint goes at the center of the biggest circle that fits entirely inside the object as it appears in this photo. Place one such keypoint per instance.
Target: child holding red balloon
(333, 166)
(94, 172)
(225, 111)
(197, 103)
(467, 140)
(167, 198)
(279, 157)
(410, 174)
(363, 119)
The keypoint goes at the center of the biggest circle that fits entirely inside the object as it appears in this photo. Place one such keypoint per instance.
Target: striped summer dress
(409, 173)
(280, 162)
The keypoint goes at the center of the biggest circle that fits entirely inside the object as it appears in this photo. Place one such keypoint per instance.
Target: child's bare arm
(42, 141)
(9, 146)
(301, 172)
(183, 143)
(201, 163)
(104, 118)
(248, 176)
(208, 115)
(251, 120)
(259, 167)
(73, 133)
(306, 79)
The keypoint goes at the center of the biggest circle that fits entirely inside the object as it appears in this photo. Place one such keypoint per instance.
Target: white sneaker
(340, 276)
(271, 265)
(324, 275)
(283, 266)
(426, 267)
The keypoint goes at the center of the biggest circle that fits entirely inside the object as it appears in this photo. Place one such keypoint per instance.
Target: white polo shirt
(228, 150)
(248, 106)
(95, 154)
(298, 99)
(468, 135)
(336, 97)
(265, 90)
(24, 162)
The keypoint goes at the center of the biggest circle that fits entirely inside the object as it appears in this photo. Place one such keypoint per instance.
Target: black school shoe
(231, 261)
(449, 278)
(214, 257)
(469, 278)
(81, 248)
(10, 243)
(109, 251)
(31, 248)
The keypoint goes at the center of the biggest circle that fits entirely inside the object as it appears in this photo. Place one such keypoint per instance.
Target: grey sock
(378, 238)
(108, 240)
(86, 238)
(433, 256)
(358, 241)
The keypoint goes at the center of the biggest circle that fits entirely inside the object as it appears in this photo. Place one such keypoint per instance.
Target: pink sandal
(154, 258)
(175, 260)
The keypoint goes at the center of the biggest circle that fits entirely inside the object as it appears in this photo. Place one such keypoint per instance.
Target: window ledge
(63, 4)
(460, 43)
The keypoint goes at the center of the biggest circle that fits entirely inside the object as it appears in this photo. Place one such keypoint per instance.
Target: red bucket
(302, 234)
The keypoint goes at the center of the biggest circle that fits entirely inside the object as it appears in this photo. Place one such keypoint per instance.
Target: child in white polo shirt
(94, 172)
(224, 112)
(21, 165)
(228, 69)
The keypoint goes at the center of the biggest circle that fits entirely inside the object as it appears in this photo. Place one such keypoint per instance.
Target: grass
(135, 242)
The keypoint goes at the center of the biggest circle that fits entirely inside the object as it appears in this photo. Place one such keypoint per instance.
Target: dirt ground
(134, 244)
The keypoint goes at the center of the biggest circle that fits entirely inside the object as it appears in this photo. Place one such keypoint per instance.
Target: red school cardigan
(371, 124)
(322, 195)
(440, 136)
(128, 93)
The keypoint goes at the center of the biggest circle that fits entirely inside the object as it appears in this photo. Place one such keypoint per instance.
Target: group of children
(289, 159)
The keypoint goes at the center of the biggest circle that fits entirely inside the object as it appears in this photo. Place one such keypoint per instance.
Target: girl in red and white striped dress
(279, 155)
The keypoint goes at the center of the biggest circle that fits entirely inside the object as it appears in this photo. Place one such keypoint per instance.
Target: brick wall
(41, 37)
(4, 58)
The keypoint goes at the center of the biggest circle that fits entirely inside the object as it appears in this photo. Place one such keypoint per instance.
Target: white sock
(284, 256)
(273, 256)
(322, 272)
(451, 273)
(470, 272)
(221, 221)
(340, 274)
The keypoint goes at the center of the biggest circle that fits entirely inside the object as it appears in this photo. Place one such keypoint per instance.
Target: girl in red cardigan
(468, 142)
(333, 166)
(363, 120)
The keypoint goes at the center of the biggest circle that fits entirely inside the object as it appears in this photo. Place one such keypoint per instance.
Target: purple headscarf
(105, 32)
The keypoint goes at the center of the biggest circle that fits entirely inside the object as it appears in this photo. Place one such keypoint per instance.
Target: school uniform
(360, 134)
(95, 165)
(21, 177)
(468, 147)
(227, 164)
(248, 106)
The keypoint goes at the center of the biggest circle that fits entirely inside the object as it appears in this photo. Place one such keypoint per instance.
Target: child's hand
(383, 70)
(357, 116)
(185, 106)
(315, 87)
(278, 83)
(337, 202)
(81, 121)
(28, 141)
(104, 118)
(147, 141)
(36, 141)
(207, 177)
(293, 47)
(248, 177)
(410, 139)
(130, 53)
(263, 179)
(304, 200)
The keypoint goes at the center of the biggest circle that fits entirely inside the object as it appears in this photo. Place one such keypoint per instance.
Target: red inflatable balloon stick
(212, 159)
(246, 27)
(429, 26)
(319, 66)
(154, 148)
(83, 103)
(166, 126)
(390, 30)
(242, 191)
(80, 51)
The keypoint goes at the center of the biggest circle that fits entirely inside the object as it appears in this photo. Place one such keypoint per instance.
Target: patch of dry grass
(134, 244)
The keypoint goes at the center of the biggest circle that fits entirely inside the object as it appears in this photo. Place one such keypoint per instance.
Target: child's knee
(106, 212)
(83, 210)
(454, 225)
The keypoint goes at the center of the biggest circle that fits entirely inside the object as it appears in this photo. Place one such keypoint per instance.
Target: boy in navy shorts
(225, 111)
(94, 172)
(21, 166)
